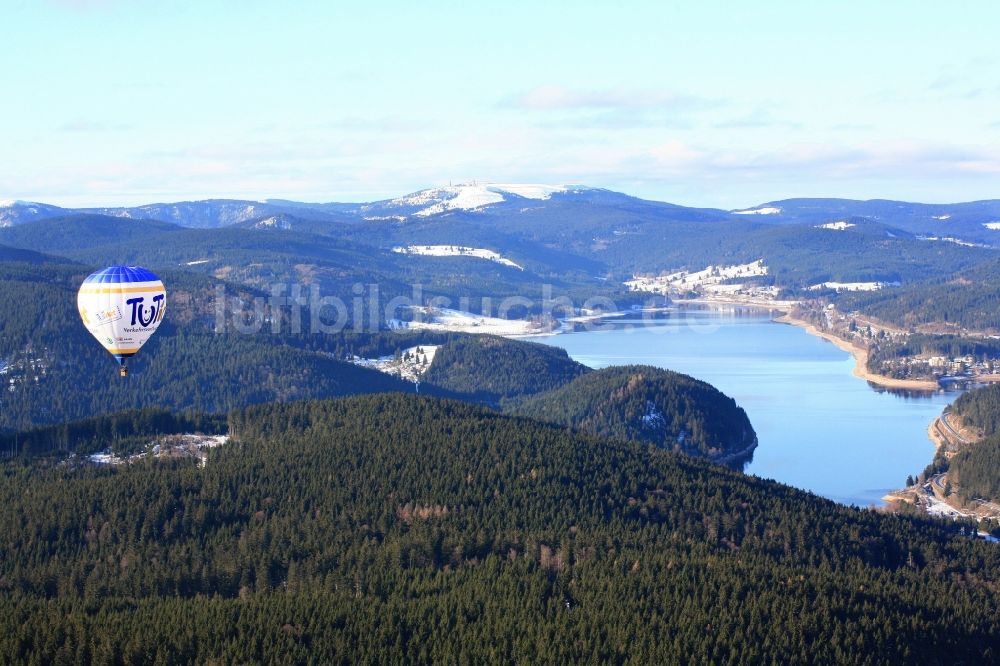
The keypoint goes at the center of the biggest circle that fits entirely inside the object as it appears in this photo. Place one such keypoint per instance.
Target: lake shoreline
(757, 364)
(893, 498)
(860, 359)
(783, 307)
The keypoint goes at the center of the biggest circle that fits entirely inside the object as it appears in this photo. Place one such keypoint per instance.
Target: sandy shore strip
(861, 359)
(934, 434)
(988, 379)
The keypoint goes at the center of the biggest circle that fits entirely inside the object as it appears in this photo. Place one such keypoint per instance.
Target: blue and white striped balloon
(122, 306)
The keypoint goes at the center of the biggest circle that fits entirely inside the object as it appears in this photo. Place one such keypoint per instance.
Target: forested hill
(19, 255)
(54, 371)
(980, 408)
(639, 403)
(72, 232)
(643, 403)
(124, 433)
(975, 469)
(487, 368)
(392, 528)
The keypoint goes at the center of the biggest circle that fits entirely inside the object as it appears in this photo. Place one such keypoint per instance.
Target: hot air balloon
(122, 306)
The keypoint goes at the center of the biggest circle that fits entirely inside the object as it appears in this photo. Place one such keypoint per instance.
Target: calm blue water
(819, 427)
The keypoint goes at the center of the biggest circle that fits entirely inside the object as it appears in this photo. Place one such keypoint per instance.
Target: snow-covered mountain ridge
(465, 196)
(600, 216)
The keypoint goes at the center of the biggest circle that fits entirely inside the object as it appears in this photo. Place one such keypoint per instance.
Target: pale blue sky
(701, 103)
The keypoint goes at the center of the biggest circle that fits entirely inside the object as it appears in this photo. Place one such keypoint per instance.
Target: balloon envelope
(122, 306)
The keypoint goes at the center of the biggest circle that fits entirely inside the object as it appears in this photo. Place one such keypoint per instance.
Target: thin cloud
(246, 153)
(850, 127)
(969, 93)
(943, 81)
(792, 163)
(887, 160)
(82, 5)
(620, 119)
(964, 81)
(758, 119)
(671, 165)
(381, 124)
(612, 108)
(91, 126)
(554, 97)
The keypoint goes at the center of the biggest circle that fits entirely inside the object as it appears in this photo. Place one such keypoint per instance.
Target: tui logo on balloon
(122, 306)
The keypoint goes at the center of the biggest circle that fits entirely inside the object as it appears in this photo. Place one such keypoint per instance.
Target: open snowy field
(709, 279)
(850, 286)
(444, 319)
(166, 446)
(410, 365)
(456, 251)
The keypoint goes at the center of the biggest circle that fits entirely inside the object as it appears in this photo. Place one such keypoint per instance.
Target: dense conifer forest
(980, 408)
(397, 528)
(120, 432)
(339, 431)
(487, 368)
(636, 403)
(56, 372)
(644, 403)
(401, 528)
(975, 469)
(969, 299)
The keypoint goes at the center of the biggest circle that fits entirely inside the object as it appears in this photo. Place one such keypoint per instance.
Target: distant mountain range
(212, 213)
(476, 244)
(582, 238)
(492, 199)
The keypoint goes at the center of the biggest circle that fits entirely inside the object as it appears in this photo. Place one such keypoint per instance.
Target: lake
(819, 427)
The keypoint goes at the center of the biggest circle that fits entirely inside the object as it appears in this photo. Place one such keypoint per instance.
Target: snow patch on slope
(853, 286)
(653, 418)
(273, 222)
(950, 239)
(444, 319)
(840, 225)
(456, 251)
(465, 198)
(710, 279)
(472, 196)
(764, 210)
(992, 226)
(410, 365)
(531, 191)
(392, 218)
(167, 446)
